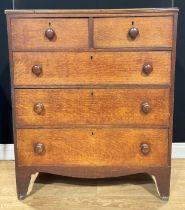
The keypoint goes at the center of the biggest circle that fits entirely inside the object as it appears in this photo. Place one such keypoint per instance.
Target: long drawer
(145, 32)
(69, 68)
(93, 147)
(49, 33)
(64, 107)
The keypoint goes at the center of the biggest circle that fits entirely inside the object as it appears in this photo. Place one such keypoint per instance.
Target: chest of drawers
(92, 92)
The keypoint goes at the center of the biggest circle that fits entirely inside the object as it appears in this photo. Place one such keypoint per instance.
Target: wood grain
(113, 32)
(96, 130)
(92, 107)
(92, 147)
(29, 34)
(91, 68)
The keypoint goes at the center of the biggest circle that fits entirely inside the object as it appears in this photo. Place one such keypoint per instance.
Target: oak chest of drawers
(92, 93)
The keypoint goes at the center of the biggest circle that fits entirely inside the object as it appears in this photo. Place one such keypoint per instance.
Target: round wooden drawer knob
(145, 149)
(147, 68)
(133, 32)
(39, 148)
(145, 107)
(38, 108)
(37, 69)
(50, 33)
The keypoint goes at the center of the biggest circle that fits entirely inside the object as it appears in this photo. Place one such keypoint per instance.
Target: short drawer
(133, 32)
(65, 68)
(93, 147)
(70, 107)
(46, 33)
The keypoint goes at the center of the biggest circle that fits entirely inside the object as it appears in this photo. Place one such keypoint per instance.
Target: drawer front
(28, 34)
(93, 147)
(145, 32)
(45, 68)
(64, 107)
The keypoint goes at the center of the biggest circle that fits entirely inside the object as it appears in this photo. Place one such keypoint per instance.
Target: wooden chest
(92, 92)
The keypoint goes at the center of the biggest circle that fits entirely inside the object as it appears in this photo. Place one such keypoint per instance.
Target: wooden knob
(50, 33)
(147, 68)
(37, 69)
(145, 107)
(133, 32)
(38, 108)
(39, 148)
(145, 148)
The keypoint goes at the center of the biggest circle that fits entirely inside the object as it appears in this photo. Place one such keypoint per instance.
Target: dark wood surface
(97, 105)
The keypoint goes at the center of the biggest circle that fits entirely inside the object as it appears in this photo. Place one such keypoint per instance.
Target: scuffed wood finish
(93, 147)
(28, 34)
(91, 68)
(113, 32)
(92, 107)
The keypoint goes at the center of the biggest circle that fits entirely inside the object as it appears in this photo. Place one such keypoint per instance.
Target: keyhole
(49, 24)
(92, 133)
(92, 93)
(132, 22)
(91, 57)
